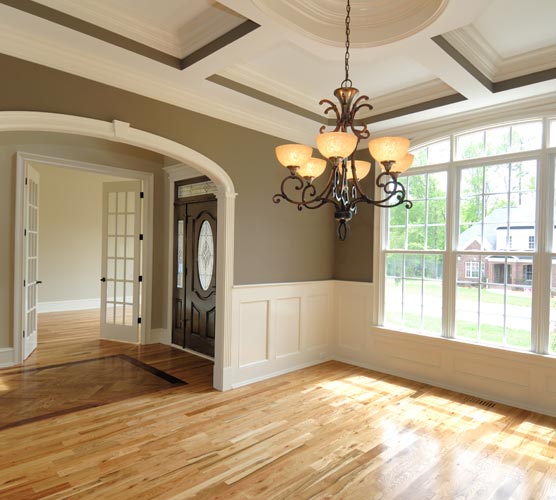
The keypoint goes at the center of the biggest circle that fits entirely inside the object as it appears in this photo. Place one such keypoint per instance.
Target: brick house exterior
(497, 234)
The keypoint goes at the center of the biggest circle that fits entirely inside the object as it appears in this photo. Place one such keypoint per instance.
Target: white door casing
(31, 265)
(121, 261)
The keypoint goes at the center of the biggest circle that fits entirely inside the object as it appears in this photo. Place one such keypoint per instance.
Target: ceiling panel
(514, 27)
(295, 75)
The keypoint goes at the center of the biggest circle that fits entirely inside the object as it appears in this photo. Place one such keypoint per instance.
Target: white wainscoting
(68, 305)
(279, 328)
(521, 379)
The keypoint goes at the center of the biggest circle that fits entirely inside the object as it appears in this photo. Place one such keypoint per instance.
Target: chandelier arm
(308, 200)
(393, 190)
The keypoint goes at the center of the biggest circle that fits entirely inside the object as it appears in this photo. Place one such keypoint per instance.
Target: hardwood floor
(330, 431)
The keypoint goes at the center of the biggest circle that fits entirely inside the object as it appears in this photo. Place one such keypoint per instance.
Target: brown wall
(354, 256)
(274, 243)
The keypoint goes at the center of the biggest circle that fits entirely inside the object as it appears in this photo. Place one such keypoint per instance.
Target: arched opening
(122, 132)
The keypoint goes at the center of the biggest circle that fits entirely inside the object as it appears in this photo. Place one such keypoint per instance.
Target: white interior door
(121, 261)
(31, 278)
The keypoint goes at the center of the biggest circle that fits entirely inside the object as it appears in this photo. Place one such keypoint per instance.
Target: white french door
(121, 261)
(31, 278)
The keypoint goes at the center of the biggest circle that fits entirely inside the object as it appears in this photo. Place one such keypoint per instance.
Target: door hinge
(24, 333)
(140, 237)
(26, 181)
(25, 232)
(138, 321)
(141, 195)
(24, 283)
(140, 279)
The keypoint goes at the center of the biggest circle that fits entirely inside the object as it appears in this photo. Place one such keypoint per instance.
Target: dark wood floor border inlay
(174, 381)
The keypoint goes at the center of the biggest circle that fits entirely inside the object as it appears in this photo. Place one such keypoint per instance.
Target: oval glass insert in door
(205, 255)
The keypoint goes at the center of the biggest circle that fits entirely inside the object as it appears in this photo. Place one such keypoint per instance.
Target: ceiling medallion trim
(385, 23)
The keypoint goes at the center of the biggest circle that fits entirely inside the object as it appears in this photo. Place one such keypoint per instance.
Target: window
(414, 261)
(472, 269)
(491, 222)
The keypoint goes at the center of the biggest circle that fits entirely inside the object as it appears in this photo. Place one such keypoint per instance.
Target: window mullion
(450, 258)
(542, 260)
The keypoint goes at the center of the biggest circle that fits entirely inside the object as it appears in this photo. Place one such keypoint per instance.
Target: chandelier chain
(347, 82)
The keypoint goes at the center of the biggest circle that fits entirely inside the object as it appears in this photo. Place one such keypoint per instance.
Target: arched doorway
(122, 132)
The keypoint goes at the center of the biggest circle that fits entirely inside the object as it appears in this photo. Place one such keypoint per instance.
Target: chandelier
(343, 189)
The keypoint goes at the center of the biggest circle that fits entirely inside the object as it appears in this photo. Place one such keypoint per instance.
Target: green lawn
(468, 330)
(515, 337)
(434, 289)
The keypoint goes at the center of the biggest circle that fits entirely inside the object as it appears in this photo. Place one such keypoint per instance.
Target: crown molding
(207, 26)
(422, 132)
(416, 94)
(246, 76)
(70, 59)
(473, 46)
(114, 20)
(409, 96)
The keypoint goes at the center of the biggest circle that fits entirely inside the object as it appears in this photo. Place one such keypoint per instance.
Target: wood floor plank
(329, 431)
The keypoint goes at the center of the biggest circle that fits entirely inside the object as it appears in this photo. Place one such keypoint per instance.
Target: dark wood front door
(195, 275)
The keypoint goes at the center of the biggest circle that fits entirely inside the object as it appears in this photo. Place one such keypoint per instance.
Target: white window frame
(473, 269)
(541, 256)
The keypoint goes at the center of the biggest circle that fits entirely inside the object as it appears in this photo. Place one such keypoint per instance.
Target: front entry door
(121, 261)
(195, 276)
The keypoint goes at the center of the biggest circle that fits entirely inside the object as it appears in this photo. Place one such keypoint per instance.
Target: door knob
(38, 283)
(103, 280)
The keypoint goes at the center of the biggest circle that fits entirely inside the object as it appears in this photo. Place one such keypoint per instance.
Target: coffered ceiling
(265, 64)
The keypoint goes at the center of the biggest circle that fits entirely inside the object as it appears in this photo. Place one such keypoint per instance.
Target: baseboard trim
(280, 372)
(7, 357)
(160, 336)
(68, 305)
(449, 387)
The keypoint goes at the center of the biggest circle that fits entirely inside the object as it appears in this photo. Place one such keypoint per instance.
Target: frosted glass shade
(336, 144)
(362, 169)
(403, 165)
(388, 148)
(314, 168)
(293, 155)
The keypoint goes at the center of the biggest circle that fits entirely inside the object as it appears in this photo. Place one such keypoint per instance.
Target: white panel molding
(7, 357)
(521, 379)
(279, 328)
(68, 305)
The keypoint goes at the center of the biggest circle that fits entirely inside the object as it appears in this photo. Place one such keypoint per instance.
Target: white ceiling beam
(445, 67)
